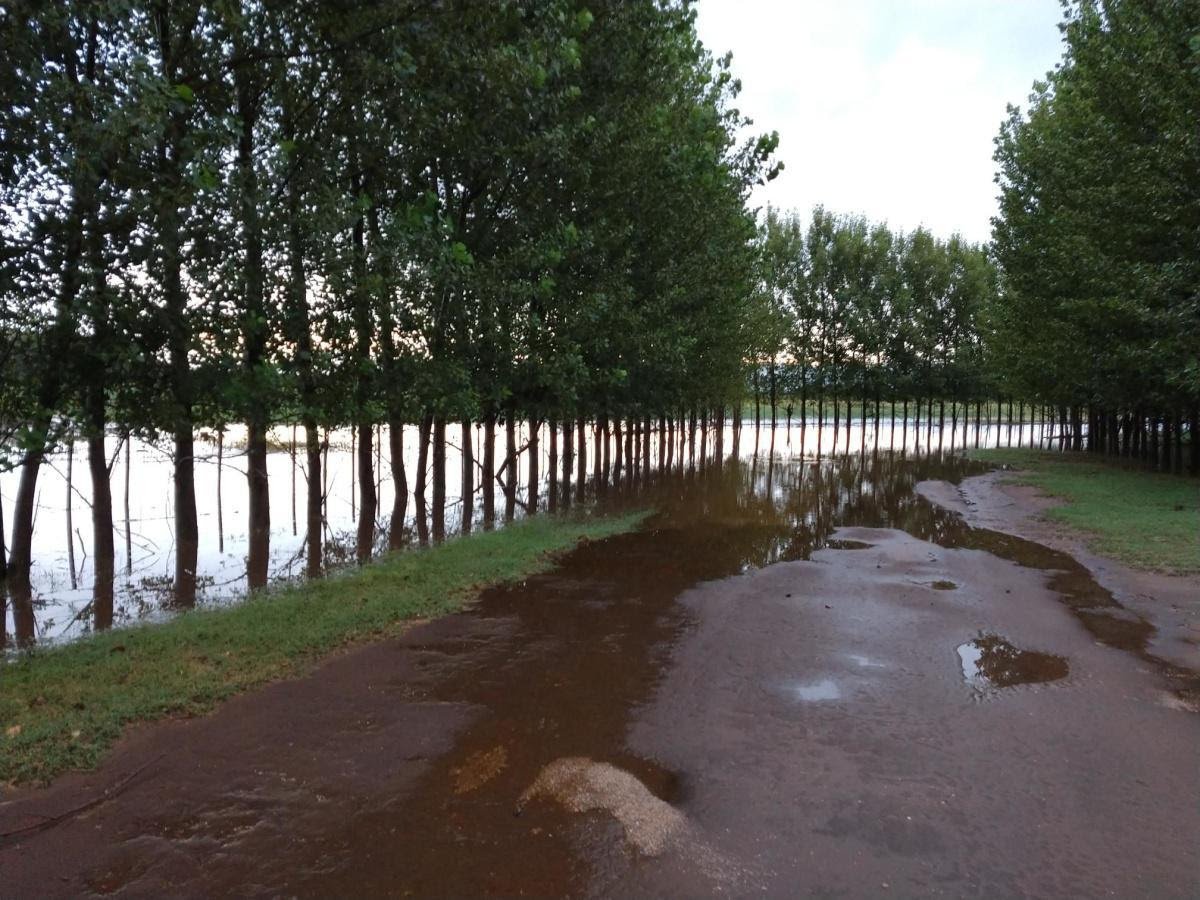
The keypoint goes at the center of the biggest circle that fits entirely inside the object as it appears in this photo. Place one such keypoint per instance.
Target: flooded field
(902, 695)
(62, 572)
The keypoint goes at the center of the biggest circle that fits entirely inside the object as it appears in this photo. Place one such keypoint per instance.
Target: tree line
(848, 312)
(339, 213)
(1097, 235)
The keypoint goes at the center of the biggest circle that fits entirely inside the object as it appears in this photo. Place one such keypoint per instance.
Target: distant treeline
(853, 312)
(1086, 306)
(345, 213)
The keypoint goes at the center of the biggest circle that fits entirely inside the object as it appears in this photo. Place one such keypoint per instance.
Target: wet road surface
(800, 678)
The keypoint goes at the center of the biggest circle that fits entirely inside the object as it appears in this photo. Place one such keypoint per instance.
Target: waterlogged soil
(762, 691)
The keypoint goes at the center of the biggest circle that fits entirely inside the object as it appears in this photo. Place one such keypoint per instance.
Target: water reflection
(787, 487)
(990, 662)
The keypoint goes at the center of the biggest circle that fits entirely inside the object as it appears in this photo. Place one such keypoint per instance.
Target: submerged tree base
(63, 707)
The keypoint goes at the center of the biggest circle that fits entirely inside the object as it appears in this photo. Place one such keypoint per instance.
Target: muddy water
(412, 784)
(989, 662)
(62, 572)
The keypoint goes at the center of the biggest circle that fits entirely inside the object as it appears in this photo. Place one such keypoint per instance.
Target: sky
(887, 108)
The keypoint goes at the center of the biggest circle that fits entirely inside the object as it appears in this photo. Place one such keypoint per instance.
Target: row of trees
(1098, 231)
(336, 212)
(848, 310)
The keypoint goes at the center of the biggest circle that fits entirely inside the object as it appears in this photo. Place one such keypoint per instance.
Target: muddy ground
(800, 679)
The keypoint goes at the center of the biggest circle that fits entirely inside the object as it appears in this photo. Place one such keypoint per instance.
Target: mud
(728, 701)
(1170, 603)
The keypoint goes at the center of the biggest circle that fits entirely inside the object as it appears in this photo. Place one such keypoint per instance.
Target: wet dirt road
(668, 714)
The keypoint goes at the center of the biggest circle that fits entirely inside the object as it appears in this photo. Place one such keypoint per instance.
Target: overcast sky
(885, 107)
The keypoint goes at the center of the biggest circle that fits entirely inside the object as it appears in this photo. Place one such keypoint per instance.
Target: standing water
(143, 511)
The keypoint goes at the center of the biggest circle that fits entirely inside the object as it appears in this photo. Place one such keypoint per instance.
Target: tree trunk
(424, 431)
(439, 478)
(70, 506)
(581, 459)
(568, 458)
(128, 520)
(510, 465)
(552, 462)
(313, 499)
(365, 539)
(531, 493)
(468, 479)
(259, 504)
(103, 550)
(488, 478)
(187, 528)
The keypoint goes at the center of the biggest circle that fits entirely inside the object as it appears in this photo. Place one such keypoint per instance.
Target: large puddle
(990, 662)
(552, 668)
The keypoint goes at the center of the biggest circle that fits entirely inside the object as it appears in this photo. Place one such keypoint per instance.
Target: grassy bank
(1146, 519)
(61, 708)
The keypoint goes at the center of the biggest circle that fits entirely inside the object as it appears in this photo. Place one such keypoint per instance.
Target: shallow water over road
(762, 690)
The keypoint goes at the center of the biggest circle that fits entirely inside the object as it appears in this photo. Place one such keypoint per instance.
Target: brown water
(989, 661)
(444, 729)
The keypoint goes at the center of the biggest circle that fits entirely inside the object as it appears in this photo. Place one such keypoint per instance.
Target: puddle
(814, 691)
(550, 668)
(990, 662)
(839, 544)
(865, 661)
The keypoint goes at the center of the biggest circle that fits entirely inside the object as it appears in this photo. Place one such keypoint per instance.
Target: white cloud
(884, 107)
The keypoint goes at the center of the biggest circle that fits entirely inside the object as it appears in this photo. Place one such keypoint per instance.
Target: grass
(1146, 519)
(63, 707)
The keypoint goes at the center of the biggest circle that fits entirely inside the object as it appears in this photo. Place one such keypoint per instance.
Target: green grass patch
(62, 707)
(1146, 519)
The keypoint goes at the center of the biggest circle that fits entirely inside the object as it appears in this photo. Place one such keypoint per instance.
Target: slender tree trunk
(103, 551)
(70, 506)
(757, 401)
(295, 466)
(597, 453)
(187, 529)
(439, 478)
(531, 503)
(468, 479)
(128, 519)
(774, 395)
(581, 459)
(510, 465)
(20, 560)
(259, 504)
(425, 430)
(365, 539)
(399, 483)
(489, 471)
(568, 458)
(314, 499)
(552, 462)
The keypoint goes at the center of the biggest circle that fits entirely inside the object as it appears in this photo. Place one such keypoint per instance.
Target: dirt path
(662, 715)
(1170, 602)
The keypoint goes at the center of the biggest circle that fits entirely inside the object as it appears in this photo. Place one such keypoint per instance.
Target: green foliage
(1098, 227)
(270, 209)
(853, 308)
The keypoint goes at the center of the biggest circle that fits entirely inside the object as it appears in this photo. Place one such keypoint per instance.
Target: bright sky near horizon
(886, 108)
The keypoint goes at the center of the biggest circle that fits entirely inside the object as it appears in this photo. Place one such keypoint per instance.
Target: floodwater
(760, 691)
(62, 571)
